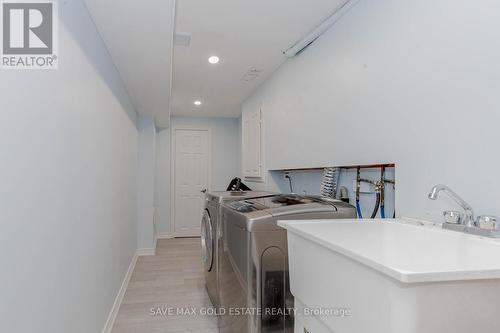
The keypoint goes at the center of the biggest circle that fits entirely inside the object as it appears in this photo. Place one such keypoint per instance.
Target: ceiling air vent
(251, 75)
(182, 39)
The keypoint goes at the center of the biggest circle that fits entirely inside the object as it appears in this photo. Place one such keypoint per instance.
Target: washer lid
(283, 203)
(290, 201)
(283, 200)
(245, 206)
(221, 196)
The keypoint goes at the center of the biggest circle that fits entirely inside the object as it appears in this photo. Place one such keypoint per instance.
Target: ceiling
(245, 35)
(139, 38)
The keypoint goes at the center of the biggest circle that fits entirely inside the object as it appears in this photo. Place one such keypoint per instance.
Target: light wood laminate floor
(173, 278)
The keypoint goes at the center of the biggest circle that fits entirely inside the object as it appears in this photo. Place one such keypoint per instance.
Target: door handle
(204, 191)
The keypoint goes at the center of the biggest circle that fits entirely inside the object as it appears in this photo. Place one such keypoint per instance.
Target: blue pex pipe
(358, 210)
(382, 212)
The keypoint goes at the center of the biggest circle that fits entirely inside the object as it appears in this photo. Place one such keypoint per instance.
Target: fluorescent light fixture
(197, 103)
(213, 59)
(321, 29)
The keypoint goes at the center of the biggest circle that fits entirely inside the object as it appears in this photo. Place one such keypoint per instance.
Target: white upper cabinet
(251, 145)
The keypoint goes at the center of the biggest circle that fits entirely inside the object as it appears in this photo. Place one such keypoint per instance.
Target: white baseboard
(164, 235)
(121, 293)
(119, 298)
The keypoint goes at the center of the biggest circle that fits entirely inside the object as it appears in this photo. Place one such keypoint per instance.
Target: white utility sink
(392, 276)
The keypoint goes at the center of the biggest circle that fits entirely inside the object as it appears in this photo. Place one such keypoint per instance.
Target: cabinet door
(252, 145)
(247, 169)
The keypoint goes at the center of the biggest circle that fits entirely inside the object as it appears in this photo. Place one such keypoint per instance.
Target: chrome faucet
(469, 213)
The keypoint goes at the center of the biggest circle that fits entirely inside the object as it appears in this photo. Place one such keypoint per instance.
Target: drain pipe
(287, 176)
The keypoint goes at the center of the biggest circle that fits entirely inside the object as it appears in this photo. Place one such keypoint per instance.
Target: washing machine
(209, 234)
(253, 259)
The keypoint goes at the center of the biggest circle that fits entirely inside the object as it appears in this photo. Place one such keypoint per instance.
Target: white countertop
(405, 251)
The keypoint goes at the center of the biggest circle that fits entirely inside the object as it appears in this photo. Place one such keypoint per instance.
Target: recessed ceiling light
(197, 103)
(213, 59)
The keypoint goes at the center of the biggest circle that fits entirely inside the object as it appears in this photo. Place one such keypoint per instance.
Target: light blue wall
(163, 181)
(146, 166)
(68, 194)
(409, 82)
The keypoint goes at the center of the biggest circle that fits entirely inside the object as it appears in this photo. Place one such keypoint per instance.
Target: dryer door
(207, 240)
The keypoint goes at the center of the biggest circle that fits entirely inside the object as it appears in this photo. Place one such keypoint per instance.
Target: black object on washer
(237, 185)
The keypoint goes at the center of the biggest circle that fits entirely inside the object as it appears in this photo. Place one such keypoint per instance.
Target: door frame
(172, 168)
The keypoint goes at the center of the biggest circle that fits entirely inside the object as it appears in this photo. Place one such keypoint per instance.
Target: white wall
(225, 159)
(68, 147)
(410, 82)
(146, 182)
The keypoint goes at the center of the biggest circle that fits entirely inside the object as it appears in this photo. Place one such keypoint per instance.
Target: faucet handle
(452, 217)
(488, 222)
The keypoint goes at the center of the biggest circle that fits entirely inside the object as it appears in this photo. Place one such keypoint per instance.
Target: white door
(191, 179)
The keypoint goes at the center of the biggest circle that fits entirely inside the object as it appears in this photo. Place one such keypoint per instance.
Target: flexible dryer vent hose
(329, 183)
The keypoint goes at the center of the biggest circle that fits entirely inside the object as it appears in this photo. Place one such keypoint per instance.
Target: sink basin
(393, 276)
